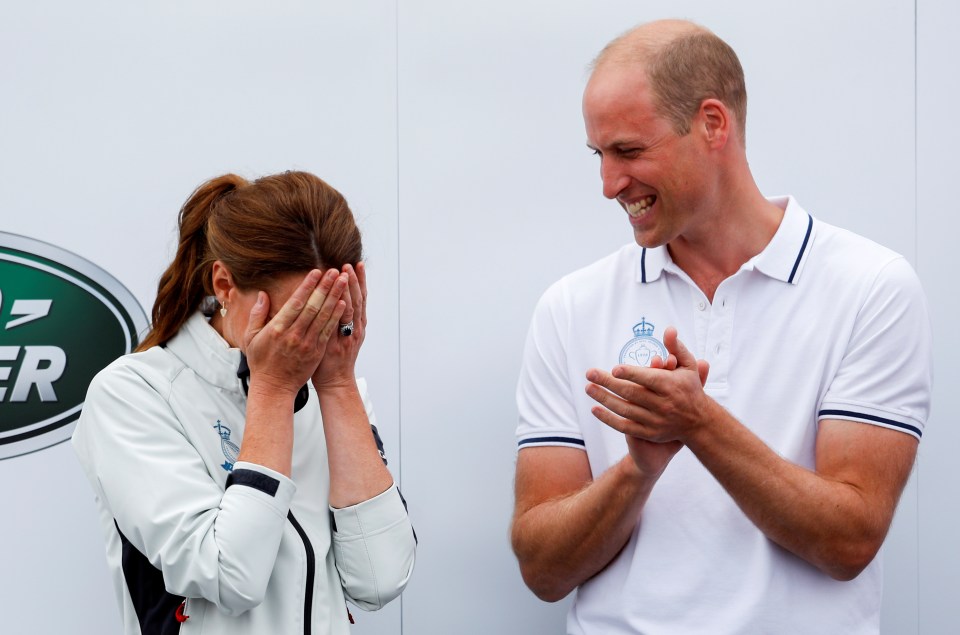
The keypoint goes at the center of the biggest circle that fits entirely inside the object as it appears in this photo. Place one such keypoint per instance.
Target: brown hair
(692, 68)
(685, 64)
(283, 223)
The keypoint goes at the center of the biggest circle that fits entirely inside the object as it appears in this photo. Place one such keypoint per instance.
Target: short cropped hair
(683, 71)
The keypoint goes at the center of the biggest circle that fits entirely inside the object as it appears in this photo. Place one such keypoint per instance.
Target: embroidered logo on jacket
(230, 449)
(643, 347)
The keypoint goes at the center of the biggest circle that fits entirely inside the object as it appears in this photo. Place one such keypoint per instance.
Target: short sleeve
(544, 398)
(886, 375)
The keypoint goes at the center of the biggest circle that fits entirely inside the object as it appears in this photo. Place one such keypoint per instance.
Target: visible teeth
(640, 207)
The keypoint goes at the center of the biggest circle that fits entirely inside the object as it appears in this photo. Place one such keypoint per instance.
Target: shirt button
(718, 349)
(702, 306)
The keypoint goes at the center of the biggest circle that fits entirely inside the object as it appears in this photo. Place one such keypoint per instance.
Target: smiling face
(660, 179)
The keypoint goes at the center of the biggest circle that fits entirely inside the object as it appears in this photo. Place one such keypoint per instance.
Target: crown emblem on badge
(641, 350)
(643, 328)
(230, 449)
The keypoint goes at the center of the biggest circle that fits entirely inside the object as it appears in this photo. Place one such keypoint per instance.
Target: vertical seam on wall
(396, 110)
(396, 99)
(916, 249)
(916, 133)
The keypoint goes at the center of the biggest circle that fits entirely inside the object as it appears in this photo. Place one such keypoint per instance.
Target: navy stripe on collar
(803, 248)
(643, 265)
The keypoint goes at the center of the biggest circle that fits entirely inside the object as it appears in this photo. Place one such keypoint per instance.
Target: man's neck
(729, 237)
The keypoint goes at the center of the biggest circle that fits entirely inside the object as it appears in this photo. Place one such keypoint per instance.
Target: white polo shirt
(821, 324)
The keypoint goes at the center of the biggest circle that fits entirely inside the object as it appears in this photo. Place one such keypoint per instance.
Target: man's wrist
(630, 471)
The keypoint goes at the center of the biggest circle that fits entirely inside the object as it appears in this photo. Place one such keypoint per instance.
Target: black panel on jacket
(156, 609)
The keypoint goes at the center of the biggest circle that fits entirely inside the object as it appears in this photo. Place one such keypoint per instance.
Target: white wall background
(455, 133)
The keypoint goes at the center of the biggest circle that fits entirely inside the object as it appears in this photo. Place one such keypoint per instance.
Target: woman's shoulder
(153, 369)
(131, 393)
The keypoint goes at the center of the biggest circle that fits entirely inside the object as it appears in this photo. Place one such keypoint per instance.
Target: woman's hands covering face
(336, 369)
(286, 350)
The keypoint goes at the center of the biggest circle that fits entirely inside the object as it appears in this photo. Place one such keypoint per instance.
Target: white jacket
(158, 439)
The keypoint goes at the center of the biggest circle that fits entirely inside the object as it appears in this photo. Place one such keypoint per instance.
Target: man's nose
(614, 177)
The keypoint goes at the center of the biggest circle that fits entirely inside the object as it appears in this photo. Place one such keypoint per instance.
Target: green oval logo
(62, 320)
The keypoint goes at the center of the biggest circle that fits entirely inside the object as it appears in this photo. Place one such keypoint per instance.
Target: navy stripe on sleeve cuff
(257, 480)
(552, 440)
(849, 414)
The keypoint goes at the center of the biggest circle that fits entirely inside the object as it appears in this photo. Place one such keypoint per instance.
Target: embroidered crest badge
(230, 449)
(643, 347)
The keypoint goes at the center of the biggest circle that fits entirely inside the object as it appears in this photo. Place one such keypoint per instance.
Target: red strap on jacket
(179, 614)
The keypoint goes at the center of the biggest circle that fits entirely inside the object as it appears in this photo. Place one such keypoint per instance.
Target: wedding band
(346, 330)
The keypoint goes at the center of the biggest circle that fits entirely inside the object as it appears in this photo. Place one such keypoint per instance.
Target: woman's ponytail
(186, 282)
(285, 223)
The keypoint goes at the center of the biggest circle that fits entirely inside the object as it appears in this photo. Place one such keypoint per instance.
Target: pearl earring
(223, 310)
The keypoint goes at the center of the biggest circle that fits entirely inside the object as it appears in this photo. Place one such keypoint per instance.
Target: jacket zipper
(311, 571)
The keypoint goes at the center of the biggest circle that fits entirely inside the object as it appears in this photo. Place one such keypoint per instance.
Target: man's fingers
(676, 347)
(621, 424)
(703, 369)
(607, 399)
(612, 420)
(620, 395)
(670, 363)
(623, 377)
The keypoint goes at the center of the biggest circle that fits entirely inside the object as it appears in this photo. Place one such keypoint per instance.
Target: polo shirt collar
(651, 262)
(782, 259)
(784, 256)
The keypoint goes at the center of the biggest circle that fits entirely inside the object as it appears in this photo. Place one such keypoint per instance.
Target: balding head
(685, 64)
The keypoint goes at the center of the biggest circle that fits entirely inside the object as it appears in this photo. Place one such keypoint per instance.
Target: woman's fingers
(332, 325)
(354, 312)
(327, 318)
(258, 316)
(307, 297)
(362, 283)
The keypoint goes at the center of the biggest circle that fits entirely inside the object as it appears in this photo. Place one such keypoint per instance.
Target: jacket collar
(202, 349)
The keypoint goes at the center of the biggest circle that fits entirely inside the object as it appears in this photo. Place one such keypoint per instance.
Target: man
(742, 481)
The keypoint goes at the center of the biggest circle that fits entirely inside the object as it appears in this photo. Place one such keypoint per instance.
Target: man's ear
(715, 120)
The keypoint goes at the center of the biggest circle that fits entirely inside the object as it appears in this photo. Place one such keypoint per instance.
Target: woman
(233, 456)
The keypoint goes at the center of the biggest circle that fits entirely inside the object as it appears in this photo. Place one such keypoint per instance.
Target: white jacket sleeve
(210, 542)
(374, 548)
(374, 544)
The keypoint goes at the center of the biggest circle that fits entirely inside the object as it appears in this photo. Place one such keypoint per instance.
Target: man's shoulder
(619, 266)
(593, 281)
(840, 252)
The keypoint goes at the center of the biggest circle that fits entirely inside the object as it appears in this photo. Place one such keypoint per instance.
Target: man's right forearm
(563, 542)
